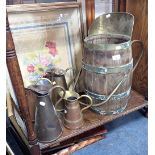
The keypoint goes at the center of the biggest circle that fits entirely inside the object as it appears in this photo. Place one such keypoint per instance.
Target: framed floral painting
(46, 36)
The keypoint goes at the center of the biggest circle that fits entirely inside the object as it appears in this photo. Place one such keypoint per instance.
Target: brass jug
(47, 124)
(73, 114)
(57, 76)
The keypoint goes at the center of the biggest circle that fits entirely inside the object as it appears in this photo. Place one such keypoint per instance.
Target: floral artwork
(46, 38)
(41, 50)
(37, 63)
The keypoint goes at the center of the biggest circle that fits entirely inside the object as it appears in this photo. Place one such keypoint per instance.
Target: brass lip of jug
(69, 93)
(73, 113)
(43, 82)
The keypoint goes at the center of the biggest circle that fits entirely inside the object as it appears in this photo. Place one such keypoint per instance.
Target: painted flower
(30, 68)
(44, 62)
(52, 48)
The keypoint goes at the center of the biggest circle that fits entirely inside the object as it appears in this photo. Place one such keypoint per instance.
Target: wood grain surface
(90, 12)
(17, 82)
(122, 5)
(140, 10)
(32, 100)
(119, 5)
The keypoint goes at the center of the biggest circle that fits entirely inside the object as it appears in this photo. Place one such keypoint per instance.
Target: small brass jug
(57, 76)
(47, 124)
(73, 117)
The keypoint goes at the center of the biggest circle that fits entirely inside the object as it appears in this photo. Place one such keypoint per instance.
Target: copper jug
(47, 124)
(73, 114)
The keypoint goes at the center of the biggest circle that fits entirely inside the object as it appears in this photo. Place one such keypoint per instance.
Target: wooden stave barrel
(99, 86)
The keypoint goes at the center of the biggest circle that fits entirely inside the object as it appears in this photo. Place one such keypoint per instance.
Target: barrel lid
(120, 23)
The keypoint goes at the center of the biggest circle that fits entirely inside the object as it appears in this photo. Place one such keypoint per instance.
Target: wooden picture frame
(46, 35)
(12, 2)
(14, 116)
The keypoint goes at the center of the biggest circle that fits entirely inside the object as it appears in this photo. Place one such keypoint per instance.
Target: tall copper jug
(47, 124)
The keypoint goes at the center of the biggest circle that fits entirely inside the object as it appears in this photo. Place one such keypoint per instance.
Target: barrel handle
(77, 78)
(72, 80)
(140, 56)
(126, 75)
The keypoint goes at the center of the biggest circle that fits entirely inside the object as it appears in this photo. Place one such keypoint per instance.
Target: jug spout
(41, 87)
(38, 89)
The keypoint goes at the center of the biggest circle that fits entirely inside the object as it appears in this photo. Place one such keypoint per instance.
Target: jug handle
(140, 56)
(43, 79)
(90, 100)
(61, 98)
(125, 76)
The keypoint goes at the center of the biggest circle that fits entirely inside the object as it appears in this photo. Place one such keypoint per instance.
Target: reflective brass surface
(120, 23)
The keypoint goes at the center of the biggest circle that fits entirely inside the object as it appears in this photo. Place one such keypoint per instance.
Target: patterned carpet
(126, 136)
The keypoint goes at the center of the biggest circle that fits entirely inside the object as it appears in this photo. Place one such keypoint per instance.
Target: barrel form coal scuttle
(108, 63)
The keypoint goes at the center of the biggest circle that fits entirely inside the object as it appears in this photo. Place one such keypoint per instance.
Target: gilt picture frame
(46, 36)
